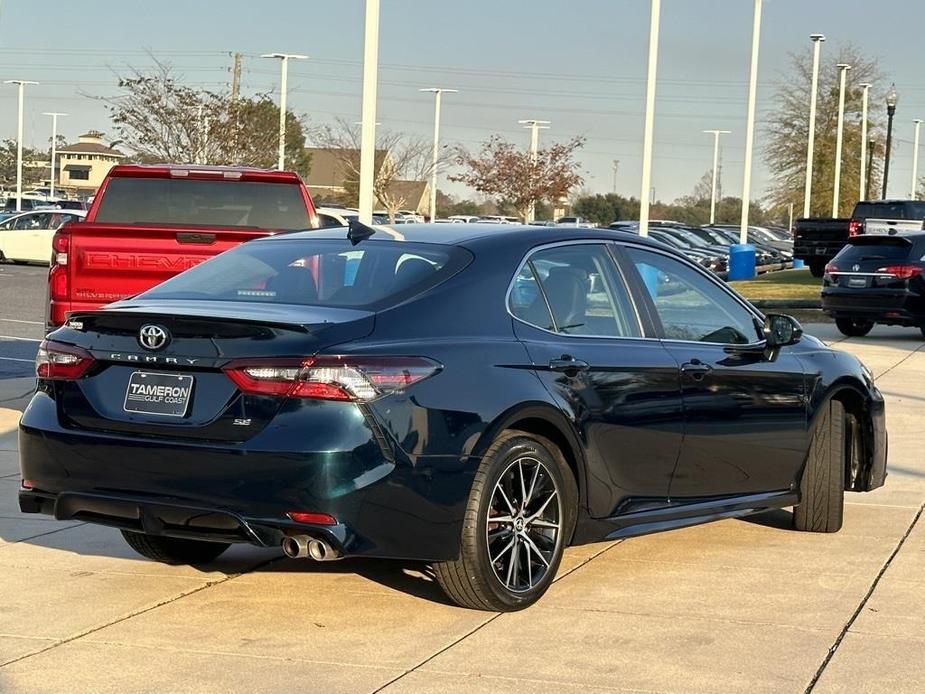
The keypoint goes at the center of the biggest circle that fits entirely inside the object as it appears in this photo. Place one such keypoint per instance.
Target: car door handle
(696, 369)
(568, 365)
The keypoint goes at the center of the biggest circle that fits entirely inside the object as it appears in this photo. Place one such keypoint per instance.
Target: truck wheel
(854, 327)
(816, 267)
(822, 488)
(174, 550)
(520, 516)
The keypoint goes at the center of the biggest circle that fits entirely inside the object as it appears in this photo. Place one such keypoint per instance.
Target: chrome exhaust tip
(296, 546)
(319, 550)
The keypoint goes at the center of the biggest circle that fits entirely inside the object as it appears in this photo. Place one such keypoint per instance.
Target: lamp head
(892, 98)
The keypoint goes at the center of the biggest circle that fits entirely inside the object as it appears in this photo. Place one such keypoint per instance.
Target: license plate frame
(160, 398)
(858, 282)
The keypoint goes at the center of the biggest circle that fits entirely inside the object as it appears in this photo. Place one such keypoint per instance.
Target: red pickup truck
(149, 223)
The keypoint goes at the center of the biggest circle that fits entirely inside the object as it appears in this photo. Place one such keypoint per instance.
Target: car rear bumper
(899, 307)
(385, 504)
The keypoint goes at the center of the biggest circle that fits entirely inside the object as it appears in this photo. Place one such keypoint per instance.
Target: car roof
(473, 234)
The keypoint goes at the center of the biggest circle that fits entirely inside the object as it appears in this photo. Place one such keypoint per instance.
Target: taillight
(903, 272)
(60, 246)
(60, 362)
(830, 268)
(355, 379)
(854, 227)
(311, 517)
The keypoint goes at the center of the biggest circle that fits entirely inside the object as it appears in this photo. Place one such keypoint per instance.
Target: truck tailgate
(107, 262)
(891, 226)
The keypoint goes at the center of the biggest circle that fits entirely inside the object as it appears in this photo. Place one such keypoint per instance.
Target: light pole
(839, 133)
(915, 159)
(716, 134)
(616, 166)
(437, 92)
(22, 89)
(817, 40)
(865, 97)
(892, 98)
(283, 88)
(368, 115)
(649, 128)
(54, 146)
(535, 126)
(750, 126)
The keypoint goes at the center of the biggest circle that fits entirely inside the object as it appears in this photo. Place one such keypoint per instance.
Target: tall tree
(788, 132)
(399, 157)
(605, 209)
(159, 118)
(30, 175)
(507, 173)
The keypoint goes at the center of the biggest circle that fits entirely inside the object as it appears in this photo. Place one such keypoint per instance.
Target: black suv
(876, 279)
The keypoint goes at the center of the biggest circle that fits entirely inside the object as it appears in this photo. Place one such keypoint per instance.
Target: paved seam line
(484, 624)
(900, 362)
(49, 532)
(857, 612)
(93, 630)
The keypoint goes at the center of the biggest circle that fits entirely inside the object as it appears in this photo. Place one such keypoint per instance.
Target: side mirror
(781, 331)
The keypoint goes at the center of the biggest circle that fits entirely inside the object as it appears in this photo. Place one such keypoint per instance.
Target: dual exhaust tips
(302, 546)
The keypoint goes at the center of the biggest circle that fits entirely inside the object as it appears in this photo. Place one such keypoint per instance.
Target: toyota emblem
(153, 337)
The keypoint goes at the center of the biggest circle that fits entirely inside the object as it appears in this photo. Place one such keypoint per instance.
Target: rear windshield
(889, 210)
(189, 202)
(877, 248)
(317, 272)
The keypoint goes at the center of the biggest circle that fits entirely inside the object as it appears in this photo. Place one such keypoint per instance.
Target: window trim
(650, 305)
(640, 324)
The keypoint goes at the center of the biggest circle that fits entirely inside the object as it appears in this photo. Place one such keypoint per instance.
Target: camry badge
(153, 337)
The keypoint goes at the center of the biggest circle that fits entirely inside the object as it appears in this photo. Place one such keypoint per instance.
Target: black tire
(174, 550)
(854, 327)
(822, 488)
(816, 267)
(472, 580)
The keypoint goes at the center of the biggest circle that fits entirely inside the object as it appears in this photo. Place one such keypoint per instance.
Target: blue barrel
(797, 264)
(741, 262)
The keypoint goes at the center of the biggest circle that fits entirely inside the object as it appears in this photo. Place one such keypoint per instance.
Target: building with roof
(83, 165)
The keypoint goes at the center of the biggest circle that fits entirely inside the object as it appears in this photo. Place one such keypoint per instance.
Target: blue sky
(580, 64)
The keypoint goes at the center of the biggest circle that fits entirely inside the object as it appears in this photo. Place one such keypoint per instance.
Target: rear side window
(317, 272)
(879, 248)
(889, 210)
(191, 202)
(574, 290)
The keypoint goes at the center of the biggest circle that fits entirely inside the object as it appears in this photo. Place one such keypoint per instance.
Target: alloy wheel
(523, 524)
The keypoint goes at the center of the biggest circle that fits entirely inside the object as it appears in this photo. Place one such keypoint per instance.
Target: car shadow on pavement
(409, 577)
(778, 518)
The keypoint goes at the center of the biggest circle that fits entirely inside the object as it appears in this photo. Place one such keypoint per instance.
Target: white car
(464, 218)
(335, 216)
(26, 237)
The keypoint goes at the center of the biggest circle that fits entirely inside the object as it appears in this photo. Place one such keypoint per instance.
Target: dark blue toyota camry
(477, 397)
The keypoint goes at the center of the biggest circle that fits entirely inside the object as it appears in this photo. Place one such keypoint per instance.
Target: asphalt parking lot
(739, 605)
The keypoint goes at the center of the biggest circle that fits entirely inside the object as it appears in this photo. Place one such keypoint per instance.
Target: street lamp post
(817, 40)
(915, 159)
(839, 133)
(283, 89)
(22, 88)
(616, 166)
(54, 147)
(437, 92)
(649, 127)
(750, 125)
(716, 134)
(865, 96)
(368, 114)
(892, 98)
(535, 126)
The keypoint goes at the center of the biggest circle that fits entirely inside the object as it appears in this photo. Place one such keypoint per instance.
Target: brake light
(903, 272)
(60, 362)
(354, 379)
(830, 268)
(60, 246)
(854, 227)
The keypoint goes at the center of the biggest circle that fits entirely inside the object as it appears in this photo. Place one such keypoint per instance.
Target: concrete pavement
(739, 605)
